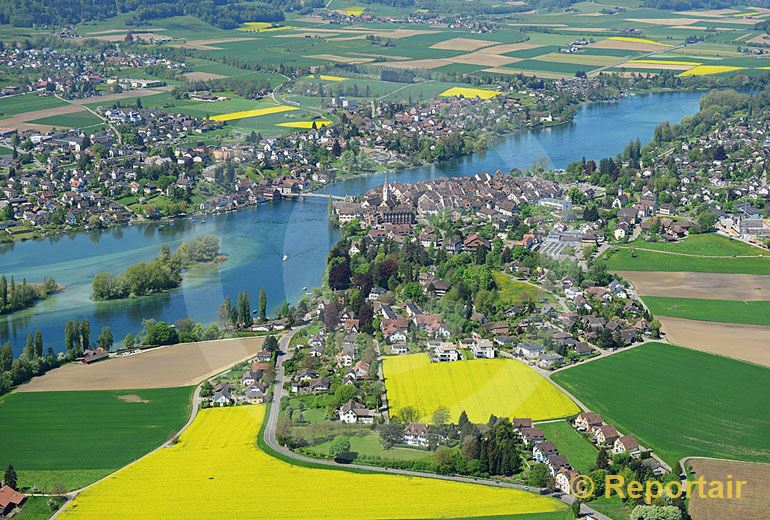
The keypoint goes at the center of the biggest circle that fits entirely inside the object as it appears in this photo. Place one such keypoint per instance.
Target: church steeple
(385, 189)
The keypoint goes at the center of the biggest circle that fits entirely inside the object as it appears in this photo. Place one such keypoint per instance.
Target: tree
(129, 341)
(9, 479)
(159, 333)
(271, 344)
(85, 334)
(407, 414)
(391, 434)
(262, 304)
(339, 449)
(105, 338)
(602, 459)
(38, 344)
(6, 356)
(441, 416)
(540, 476)
(331, 316)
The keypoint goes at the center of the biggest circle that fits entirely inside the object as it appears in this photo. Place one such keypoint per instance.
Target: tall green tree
(105, 338)
(9, 478)
(262, 304)
(38, 344)
(85, 334)
(6, 356)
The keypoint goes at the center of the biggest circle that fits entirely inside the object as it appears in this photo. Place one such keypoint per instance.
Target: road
(285, 354)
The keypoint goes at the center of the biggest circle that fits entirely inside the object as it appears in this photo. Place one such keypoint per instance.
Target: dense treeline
(160, 274)
(225, 14)
(683, 5)
(15, 297)
(32, 362)
(26, 13)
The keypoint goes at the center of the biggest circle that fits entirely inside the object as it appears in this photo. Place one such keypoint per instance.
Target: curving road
(285, 354)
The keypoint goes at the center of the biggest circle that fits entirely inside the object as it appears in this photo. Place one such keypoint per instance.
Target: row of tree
(15, 297)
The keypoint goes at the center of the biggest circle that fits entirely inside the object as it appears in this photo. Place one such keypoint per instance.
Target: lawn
(11, 105)
(708, 244)
(483, 387)
(34, 508)
(249, 483)
(707, 253)
(369, 445)
(727, 311)
(571, 443)
(76, 437)
(514, 292)
(679, 402)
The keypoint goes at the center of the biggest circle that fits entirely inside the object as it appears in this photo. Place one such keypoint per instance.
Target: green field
(708, 244)
(515, 292)
(11, 105)
(727, 311)
(679, 402)
(571, 443)
(82, 119)
(76, 437)
(708, 253)
(369, 446)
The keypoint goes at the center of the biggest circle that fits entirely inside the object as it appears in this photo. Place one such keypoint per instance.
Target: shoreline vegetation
(17, 297)
(162, 273)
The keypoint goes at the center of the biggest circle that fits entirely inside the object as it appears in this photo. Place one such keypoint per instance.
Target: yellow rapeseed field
(482, 387)
(705, 70)
(216, 472)
(319, 123)
(467, 92)
(331, 78)
(264, 27)
(352, 11)
(636, 40)
(252, 113)
(666, 62)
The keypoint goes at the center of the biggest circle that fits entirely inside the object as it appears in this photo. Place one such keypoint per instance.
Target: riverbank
(257, 239)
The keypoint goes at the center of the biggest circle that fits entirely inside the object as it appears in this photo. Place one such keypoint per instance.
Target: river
(256, 239)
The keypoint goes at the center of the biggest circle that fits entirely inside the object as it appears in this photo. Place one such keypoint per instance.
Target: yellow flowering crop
(319, 123)
(666, 62)
(252, 113)
(469, 92)
(353, 11)
(705, 70)
(331, 78)
(216, 471)
(264, 27)
(482, 387)
(636, 40)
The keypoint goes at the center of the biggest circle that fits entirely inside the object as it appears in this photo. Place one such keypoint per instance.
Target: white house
(353, 412)
(416, 434)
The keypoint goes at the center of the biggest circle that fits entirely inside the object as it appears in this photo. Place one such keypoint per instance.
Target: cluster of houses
(253, 386)
(602, 434)
(73, 74)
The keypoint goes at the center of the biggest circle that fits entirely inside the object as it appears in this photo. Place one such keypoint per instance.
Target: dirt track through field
(745, 342)
(755, 501)
(178, 365)
(716, 286)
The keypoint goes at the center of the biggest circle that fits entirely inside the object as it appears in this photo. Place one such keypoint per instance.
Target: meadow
(679, 402)
(248, 483)
(727, 311)
(53, 436)
(570, 443)
(12, 105)
(707, 244)
(483, 387)
(515, 292)
(631, 259)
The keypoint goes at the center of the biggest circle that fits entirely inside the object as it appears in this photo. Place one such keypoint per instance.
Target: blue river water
(257, 239)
